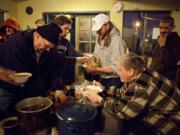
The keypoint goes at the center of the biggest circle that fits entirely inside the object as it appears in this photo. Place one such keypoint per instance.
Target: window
(140, 29)
(86, 36)
(85, 39)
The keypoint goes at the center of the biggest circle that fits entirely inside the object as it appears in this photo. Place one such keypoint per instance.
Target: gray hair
(132, 61)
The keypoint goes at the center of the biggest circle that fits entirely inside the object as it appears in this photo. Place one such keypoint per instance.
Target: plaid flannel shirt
(152, 97)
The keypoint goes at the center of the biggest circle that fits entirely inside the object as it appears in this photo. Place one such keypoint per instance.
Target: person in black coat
(65, 46)
(31, 52)
(34, 52)
(167, 49)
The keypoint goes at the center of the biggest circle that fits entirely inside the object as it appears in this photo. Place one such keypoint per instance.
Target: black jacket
(65, 46)
(165, 58)
(68, 71)
(18, 54)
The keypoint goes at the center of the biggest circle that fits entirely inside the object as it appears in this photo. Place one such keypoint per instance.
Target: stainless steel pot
(34, 115)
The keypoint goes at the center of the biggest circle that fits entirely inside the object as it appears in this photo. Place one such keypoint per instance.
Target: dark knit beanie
(50, 32)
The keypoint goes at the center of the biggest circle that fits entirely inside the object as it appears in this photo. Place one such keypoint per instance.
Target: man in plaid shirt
(146, 96)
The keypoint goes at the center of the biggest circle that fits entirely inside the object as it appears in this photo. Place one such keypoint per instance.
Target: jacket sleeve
(72, 52)
(128, 105)
(168, 62)
(59, 58)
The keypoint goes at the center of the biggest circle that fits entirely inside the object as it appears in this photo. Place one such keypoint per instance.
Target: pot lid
(76, 112)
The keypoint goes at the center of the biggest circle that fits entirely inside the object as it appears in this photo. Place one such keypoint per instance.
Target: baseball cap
(98, 21)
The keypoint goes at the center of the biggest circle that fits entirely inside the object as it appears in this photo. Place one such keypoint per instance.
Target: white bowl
(21, 77)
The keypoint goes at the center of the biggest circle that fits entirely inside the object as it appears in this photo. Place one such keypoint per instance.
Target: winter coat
(18, 54)
(68, 71)
(164, 59)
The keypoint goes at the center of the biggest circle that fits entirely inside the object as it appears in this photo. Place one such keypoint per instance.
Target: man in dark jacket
(64, 46)
(167, 49)
(28, 52)
(33, 52)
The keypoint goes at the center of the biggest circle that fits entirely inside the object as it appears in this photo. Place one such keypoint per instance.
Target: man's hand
(97, 83)
(94, 98)
(6, 77)
(61, 98)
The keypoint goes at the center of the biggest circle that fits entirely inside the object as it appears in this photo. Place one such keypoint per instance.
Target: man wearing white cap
(109, 47)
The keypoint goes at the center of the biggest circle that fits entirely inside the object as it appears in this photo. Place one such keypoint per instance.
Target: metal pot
(34, 115)
(76, 119)
(9, 126)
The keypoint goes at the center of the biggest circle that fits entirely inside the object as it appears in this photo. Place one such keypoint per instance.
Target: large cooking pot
(34, 115)
(76, 119)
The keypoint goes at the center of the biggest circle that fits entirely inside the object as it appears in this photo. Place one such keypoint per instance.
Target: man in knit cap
(34, 52)
(28, 52)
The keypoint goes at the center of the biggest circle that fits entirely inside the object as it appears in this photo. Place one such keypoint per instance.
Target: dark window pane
(139, 37)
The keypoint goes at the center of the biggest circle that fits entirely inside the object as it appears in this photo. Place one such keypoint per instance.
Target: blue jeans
(7, 103)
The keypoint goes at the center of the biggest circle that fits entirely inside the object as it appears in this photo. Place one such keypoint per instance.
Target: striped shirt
(152, 98)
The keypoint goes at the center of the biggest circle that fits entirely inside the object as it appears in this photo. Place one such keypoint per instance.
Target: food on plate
(91, 64)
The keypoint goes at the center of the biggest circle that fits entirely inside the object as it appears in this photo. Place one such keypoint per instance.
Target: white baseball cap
(98, 21)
